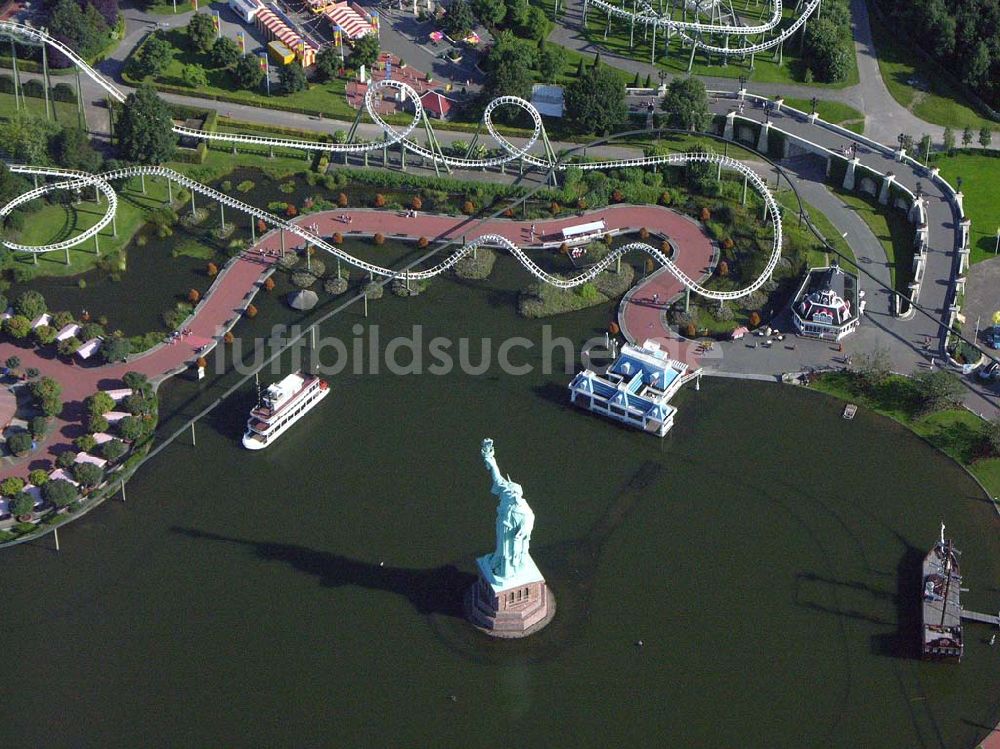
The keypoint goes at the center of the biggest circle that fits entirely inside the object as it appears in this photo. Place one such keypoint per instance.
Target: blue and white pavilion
(636, 389)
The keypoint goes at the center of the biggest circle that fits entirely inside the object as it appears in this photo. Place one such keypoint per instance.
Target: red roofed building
(436, 105)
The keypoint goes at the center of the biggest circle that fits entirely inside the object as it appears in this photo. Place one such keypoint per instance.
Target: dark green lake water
(767, 554)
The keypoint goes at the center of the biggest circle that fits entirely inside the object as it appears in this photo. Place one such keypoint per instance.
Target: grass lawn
(65, 112)
(817, 257)
(893, 230)
(834, 112)
(941, 103)
(980, 173)
(958, 433)
(675, 59)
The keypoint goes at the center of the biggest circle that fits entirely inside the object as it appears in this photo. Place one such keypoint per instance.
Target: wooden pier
(975, 616)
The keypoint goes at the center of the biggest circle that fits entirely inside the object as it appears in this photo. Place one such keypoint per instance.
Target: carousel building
(829, 304)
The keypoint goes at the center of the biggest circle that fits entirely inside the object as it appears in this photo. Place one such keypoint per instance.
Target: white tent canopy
(572, 232)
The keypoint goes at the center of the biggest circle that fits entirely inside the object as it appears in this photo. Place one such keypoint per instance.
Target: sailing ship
(941, 608)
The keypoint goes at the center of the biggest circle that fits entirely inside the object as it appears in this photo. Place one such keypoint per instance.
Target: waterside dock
(975, 616)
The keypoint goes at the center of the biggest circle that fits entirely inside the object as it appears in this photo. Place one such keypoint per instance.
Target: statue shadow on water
(437, 593)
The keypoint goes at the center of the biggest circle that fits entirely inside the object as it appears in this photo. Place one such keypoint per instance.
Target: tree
(194, 76)
(26, 138)
(79, 26)
(595, 103)
(925, 146)
(225, 52)
(39, 425)
(13, 362)
(11, 486)
(88, 475)
(60, 492)
(131, 428)
(458, 20)
(365, 51)
(872, 368)
(19, 443)
(85, 443)
(68, 346)
(108, 10)
(967, 136)
(38, 477)
(948, 140)
(936, 389)
(154, 57)
(113, 449)
(508, 67)
(201, 32)
(30, 304)
(985, 136)
(536, 26)
(71, 148)
(551, 58)
(135, 380)
(247, 73)
(489, 12)
(17, 327)
(293, 78)
(144, 128)
(327, 64)
(825, 52)
(21, 504)
(100, 403)
(686, 104)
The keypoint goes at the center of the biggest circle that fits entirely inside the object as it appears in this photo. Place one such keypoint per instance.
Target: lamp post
(900, 139)
(743, 83)
(958, 181)
(814, 102)
(663, 78)
(997, 248)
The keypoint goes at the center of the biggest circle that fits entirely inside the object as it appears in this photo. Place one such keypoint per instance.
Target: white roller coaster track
(688, 30)
(79, 180)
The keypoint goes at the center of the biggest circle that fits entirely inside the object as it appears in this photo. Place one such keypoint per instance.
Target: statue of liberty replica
(510, 598)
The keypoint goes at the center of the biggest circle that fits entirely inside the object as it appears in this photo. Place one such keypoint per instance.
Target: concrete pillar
(813, 117)
(778, 102)
(762, 138)
(729, 133)
(916, 213)
(900, 154)
(966, 225)
(849, 176)
(963, 260)
(920, 236)
(960, 202)
(883, 194)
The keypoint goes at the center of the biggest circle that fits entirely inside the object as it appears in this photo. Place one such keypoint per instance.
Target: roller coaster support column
(192, 204)
(67, 256)
(81, 112)
(170, 192)
(435, 146)
(18, 96)
(402, 156)
(114, 225)
(743, 200)
(97, 244)
(222, 216)
(385, 150)
(652, 53)
(725, 55)
(142, 183)
(694, 48)
(45, 80)
(631, 28)
(253, 231)
(282, 232)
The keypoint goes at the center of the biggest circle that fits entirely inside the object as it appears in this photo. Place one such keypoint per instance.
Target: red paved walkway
(225, 300)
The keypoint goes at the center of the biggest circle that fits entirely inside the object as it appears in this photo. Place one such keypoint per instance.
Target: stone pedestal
(511, 607)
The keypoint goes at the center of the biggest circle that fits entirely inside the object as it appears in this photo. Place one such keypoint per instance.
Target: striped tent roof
(349, 20)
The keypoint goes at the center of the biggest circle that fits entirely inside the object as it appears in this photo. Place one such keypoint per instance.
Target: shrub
(131, 428)
(38, 477)
(723, 268)
(60, 492)
(97, 423)
(193, 296)
(135, 404)
(378, 239)
(113, 450)
(617, 197)
(17, 327)
(423, 242)
(11, 485)
(135, 380)
(468, 207)
(68, 346)
(554, 208)
(706, 215)
(212, 270)
(342, 200)
(727, 244)
(690, 331)
(665, 198)
(45, 334)
(613, 328)
(379, 200)
(754, 319)
(66, 459)
(416, 204)
(251, 311)
(88, 475)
